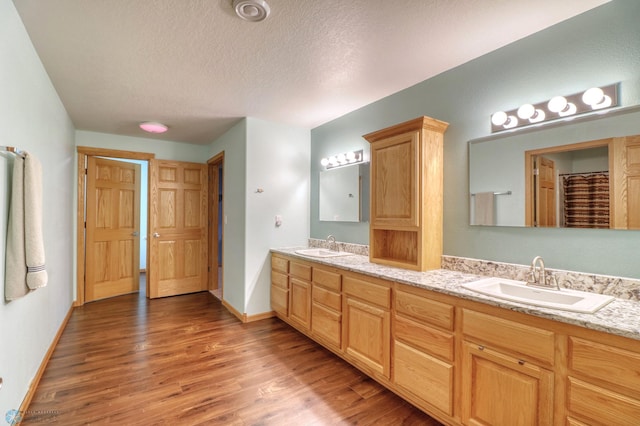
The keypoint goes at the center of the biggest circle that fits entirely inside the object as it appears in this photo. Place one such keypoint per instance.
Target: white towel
(483, 209)
(33, 242)
(25, 249)
(16, 270)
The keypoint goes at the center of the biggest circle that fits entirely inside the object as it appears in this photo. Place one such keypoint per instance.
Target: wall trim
(43, 365)
(247, 318)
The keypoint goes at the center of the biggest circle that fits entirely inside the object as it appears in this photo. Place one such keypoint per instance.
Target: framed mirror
(583, 174)
(344, 194)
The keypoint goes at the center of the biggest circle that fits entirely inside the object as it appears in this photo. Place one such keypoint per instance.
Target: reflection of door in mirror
(568, 186)
(597, 184)
(545, 192)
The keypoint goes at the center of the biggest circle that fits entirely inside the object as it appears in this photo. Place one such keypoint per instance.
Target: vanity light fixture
(344, 159)
(595, 99)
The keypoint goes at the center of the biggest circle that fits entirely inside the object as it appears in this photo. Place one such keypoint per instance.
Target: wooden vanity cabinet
(423, 349)
(326, 307)
(280, 285)
(603, 383)
(366, 328)
(406, 194)
(506, 371)
(460, 361)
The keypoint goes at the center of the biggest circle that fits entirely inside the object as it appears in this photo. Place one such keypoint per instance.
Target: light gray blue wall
(234, 145)
(33, 118)
(597, 48)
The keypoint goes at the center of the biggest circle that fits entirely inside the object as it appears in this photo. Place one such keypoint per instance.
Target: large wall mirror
(583, 174)
(344, 194)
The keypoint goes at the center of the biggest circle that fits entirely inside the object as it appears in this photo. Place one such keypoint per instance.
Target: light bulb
(512, 122)
(342, 158)
(351, 156)
(570, 109)
(593, 96)
(499, 118)
(324, 162)
(526, 111)
(557, 104)
(537, 116)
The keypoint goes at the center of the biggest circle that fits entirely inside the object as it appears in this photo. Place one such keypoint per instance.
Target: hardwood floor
(185, 360)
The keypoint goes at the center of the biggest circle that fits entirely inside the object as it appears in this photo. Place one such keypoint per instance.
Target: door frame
(212, 280)
(83, 153)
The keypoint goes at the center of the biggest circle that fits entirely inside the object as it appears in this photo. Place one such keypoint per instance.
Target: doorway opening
(216, 222)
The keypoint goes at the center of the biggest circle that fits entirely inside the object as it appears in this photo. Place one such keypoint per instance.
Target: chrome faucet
(539, 276)
(331, 240)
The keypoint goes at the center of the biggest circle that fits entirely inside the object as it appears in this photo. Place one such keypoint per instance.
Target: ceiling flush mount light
(153, 127)
(251, 10)
(559, 107)
(345, 159)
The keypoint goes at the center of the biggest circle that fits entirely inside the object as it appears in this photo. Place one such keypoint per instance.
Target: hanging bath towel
(33, 242)
(16, 261)
(25, 249)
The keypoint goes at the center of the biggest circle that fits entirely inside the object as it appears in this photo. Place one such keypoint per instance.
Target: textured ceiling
(195, 66)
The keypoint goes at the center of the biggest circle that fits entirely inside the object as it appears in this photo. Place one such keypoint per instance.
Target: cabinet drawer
(279, 264)
(327, 279)
(513, 336)
(279, 279)
(425, 338)
(613, 365)
(423, 309)
(300, 270)
(280, 300)
(369, 291)
(327, 298)
(326, 324)
(601, 405)
(428, 378)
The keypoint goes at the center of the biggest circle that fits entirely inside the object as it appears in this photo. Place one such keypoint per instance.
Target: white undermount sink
(518, 291)
(320, 252)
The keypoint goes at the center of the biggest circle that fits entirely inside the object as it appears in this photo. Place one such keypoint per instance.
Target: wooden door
(112, 254)
(177, 228)
(545, 192)
(500, 390)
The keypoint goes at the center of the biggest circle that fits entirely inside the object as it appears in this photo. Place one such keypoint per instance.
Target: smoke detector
(251, 10)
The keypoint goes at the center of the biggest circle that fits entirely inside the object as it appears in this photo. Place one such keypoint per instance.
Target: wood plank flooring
(185, 360)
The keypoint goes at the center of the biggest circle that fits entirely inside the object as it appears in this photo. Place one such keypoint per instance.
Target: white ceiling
(197, 67)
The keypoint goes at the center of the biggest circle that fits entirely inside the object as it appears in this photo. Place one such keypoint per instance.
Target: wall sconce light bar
(559, 107)
(345, 159)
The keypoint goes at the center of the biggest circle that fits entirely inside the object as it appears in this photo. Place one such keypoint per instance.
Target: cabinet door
(326, 325)
(428, 378)
(499, 390)
(394, 185)
(300, 303)
(280, 293)
(367, 335)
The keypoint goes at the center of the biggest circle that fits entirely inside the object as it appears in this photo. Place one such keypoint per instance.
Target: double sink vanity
(468, 342)
(438, 340)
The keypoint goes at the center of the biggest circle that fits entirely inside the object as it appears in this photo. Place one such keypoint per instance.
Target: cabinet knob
(520, 362)
(481, 348)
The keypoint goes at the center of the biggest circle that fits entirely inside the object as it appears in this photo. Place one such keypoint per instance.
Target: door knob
(156, 235)
(134, 234)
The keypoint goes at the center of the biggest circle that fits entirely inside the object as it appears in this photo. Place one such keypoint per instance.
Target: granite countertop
(620, 317)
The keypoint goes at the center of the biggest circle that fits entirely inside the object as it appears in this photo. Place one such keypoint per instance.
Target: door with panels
(178, 228)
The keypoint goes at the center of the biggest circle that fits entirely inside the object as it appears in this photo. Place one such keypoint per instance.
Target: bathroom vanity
(463, 357)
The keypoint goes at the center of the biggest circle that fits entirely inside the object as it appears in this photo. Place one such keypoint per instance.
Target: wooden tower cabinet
(406, 194)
